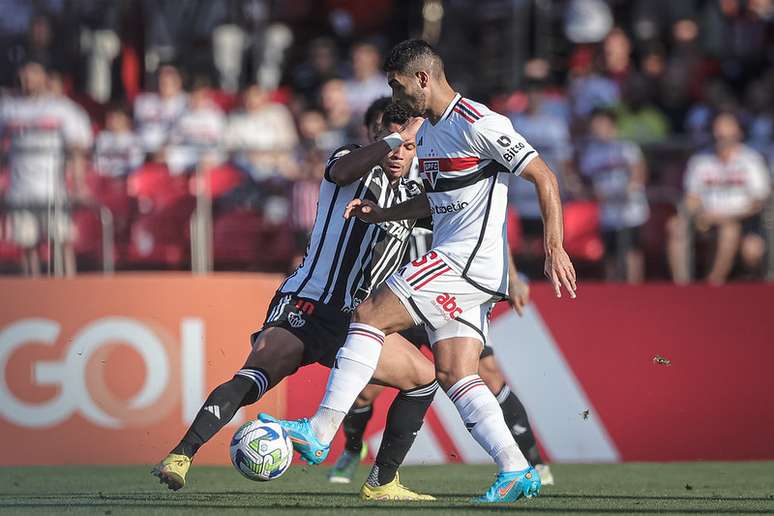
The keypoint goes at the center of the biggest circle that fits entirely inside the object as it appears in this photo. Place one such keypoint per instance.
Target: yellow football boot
(172, 470)
(394, 491)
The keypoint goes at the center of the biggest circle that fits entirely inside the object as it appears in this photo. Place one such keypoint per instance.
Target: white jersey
(155, 116)
(728, 188)
(464, 160)
(117, 154)
(40, 130)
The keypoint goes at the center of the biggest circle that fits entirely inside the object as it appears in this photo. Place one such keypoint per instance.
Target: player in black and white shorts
(309, 317)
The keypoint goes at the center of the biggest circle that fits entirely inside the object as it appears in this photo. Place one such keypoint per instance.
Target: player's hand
(365, 210)
(560, 271)
(409, 130)
(518, 295)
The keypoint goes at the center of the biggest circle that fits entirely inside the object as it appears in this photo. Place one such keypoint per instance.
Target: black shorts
(624, 239)
(418, 337)
(321, 328)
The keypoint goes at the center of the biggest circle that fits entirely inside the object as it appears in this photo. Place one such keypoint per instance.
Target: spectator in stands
(262, 137)
(197, 134)
(639, 120)
(368, 81)
(156, 113)
(617, 172)
(725, 192)
(315, 134)
(321, 65)
(118, 150)
(550, 136)
(338, 114)
(587, 88)
(47, 137)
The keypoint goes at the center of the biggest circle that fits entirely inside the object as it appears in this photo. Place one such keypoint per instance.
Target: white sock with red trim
(355, 365)
(484, 419)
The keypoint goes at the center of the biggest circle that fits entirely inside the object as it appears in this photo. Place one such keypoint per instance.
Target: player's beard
(418, 104)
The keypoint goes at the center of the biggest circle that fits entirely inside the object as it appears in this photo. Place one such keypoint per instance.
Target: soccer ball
(261, 451)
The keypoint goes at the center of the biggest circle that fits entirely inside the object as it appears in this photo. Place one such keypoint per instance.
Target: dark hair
(376, 108)
(396, 113)
(603, 112)
(405, 56)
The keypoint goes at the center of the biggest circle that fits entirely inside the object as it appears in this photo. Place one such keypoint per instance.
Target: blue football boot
(512, 485)
(303, 438)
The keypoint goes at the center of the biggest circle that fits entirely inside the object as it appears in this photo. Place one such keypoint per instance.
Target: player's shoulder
(342, 151)
(335, 155)
(479, 116)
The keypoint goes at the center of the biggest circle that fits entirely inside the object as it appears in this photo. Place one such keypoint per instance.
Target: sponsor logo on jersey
(511, 152)
(396, 230)
(431, 168)
(448, 304)
(450, 208)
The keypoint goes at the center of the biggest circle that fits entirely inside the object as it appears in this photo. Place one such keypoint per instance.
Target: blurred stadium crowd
(193, 134)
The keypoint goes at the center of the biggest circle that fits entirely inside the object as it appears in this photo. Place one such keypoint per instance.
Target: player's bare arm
(558, 267)
(368, 211)
(356, 164)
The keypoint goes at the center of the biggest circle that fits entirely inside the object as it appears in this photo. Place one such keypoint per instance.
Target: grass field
(739, 488)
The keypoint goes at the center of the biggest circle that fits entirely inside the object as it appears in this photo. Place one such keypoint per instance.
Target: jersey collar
(450, 107)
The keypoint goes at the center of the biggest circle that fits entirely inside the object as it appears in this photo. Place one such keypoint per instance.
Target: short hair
(396, 113)
(603, 112)
(376, 108)
(408, 56)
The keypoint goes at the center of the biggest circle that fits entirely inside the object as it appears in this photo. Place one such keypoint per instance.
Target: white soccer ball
(261, 451)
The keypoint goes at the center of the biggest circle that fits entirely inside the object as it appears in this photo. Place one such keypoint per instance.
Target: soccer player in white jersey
(465, 153)
(48, 135)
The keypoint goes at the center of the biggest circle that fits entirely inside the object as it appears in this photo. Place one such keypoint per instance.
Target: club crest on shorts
(431, 169)
(296, 320)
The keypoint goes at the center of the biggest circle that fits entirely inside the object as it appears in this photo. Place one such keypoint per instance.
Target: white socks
(484, 419)
(355, 365)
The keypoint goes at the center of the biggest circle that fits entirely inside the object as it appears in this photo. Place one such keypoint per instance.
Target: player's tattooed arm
(558, 267)
(368, 211)
(357, 163)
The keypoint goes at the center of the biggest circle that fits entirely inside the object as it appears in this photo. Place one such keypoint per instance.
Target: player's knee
(491, 374)
(752, 250)
(450, 374)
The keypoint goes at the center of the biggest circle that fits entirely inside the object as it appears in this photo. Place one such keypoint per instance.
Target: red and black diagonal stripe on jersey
(467, 111)
(428, 273)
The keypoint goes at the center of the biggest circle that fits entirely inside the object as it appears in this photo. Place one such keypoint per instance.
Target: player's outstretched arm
(355, 164)
(368, 211)
(558, 268)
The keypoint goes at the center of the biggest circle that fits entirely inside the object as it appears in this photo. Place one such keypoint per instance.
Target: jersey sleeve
(495, 138)
(692, 179)
(76, 127)
(337, 154)
(760, 182)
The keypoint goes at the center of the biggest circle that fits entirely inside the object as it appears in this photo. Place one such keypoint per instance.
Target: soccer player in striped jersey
(465, 152)
(309, 317)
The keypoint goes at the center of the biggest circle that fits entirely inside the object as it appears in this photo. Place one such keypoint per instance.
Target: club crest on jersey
(296, 320)
(431, 168)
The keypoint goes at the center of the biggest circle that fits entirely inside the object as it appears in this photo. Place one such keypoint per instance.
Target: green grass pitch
(687, 488)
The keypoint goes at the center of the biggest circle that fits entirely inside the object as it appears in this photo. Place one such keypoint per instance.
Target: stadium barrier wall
(99, 370)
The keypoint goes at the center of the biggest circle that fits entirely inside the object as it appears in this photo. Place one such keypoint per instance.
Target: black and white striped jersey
(347, 258)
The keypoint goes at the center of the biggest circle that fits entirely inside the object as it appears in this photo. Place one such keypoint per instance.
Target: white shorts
(438, 297)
